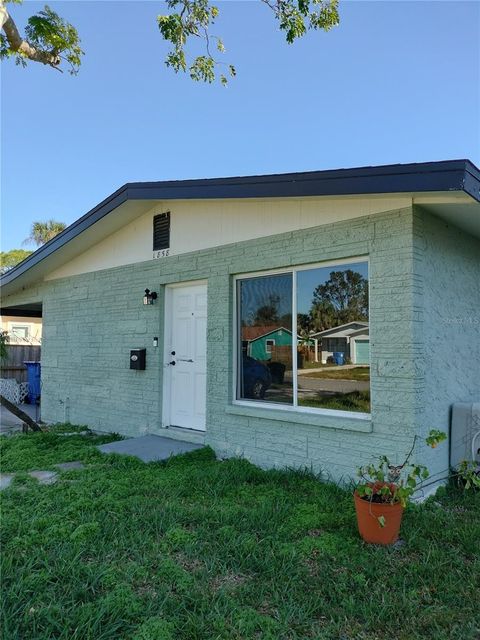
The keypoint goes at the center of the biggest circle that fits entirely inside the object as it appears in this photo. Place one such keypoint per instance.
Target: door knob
(172, 362)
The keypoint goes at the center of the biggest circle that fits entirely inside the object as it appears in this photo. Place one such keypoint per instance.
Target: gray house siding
(92, 321)
(448, 296)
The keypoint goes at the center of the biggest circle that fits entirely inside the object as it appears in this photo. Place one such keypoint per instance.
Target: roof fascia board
(341, 327)
(94, 215)
(471, 184)
(426, 177)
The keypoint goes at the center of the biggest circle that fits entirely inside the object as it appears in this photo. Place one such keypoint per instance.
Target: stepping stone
(74, 433)
(44, 477)
(68, 466)
(6, 480)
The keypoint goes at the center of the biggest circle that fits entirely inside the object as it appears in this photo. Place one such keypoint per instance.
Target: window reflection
(265, 319)
(329, 336)
(333, 341)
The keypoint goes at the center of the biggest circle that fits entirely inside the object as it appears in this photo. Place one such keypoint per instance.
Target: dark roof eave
(444, 176)
(449, 175)
(72, 231)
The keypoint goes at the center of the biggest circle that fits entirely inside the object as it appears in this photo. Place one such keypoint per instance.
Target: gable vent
(161, 231)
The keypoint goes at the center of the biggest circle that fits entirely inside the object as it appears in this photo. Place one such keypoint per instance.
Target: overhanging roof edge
(448, 175)
(72, 231)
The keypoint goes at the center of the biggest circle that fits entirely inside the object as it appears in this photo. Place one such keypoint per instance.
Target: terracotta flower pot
(370, 528)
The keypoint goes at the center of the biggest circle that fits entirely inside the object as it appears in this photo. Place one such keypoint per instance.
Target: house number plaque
(162, 253)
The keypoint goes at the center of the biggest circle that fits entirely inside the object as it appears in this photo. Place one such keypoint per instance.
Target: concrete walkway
(149, 448)
(10, 423)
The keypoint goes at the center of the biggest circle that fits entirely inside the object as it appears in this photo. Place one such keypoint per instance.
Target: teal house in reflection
(263, 343)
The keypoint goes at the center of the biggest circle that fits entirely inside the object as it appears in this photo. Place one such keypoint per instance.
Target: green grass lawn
(198, 549)
(311, 364)
(42, 451)
(351, 401)
(357, 373)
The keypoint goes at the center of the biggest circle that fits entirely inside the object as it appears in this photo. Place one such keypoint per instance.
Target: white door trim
(167, 380)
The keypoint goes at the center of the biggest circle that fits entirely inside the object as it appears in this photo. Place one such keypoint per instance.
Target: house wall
(211, 223)
(258, 347)
(448, 301)
(34, 329)
(91, 322)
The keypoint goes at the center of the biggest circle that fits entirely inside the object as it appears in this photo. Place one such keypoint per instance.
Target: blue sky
(395, 82)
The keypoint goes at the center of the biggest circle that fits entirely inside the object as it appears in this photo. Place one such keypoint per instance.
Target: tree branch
(20, 414)
(21, 46)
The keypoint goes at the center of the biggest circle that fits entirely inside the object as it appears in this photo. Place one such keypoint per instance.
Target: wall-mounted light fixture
(149, 297)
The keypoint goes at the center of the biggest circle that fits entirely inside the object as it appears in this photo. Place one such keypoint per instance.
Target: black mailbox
(138, 358)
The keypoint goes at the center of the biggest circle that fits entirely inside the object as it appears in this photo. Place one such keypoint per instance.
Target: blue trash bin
(339, 357)
(33, 378)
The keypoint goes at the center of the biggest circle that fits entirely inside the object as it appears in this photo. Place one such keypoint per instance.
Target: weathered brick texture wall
(92, 321)
(448, 297)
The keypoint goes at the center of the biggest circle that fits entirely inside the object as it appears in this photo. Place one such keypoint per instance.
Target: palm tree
(323, 315)
(42, 232)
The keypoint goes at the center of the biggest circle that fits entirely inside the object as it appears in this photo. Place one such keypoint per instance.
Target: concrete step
(149, 448)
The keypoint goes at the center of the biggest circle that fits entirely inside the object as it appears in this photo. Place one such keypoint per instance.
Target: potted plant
(385, 489)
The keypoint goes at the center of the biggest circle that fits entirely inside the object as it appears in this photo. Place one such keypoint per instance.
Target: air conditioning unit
(465, 433)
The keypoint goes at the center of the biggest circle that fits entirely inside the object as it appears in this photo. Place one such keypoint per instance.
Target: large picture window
(303, 338)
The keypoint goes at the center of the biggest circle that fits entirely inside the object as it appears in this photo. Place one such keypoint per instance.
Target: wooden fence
(13, 366)
(283, 354)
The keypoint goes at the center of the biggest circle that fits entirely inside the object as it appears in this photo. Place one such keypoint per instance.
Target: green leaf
(203, 69)
(9, 259)
(435, 437)
(49, 33)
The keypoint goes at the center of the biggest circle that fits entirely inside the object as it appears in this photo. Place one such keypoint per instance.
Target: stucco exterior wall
(91, 322)
(448, 299)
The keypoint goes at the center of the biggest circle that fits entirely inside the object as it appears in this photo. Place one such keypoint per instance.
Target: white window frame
(269, 342)
(25, 327)
(278, 406)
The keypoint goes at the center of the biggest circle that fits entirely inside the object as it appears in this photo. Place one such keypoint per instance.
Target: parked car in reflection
(256, 378)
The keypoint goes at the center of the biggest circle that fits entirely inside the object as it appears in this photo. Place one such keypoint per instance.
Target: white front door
(186, 356)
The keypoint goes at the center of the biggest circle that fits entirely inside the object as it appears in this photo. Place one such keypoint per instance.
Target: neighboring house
(216, 252)
(263, 342)
(352, 339)
(22, 330)
(24, 334)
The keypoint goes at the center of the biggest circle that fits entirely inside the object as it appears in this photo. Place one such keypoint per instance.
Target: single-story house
(213, 255)
(352, 339)
(261, 342)
(22, 330)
